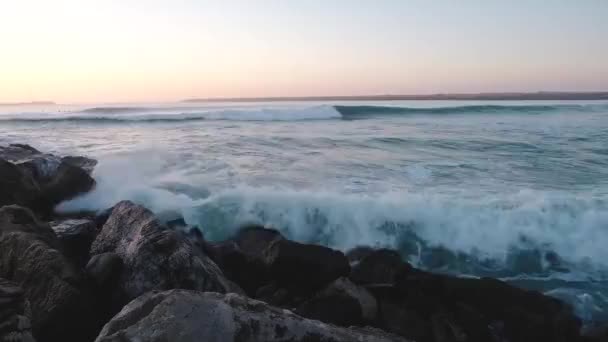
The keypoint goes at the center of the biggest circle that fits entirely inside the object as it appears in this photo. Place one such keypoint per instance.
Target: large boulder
(184, 316)
(30, 257)
(483, 309)
(41, 181)
(14, 314)
(242, 257)
(155, 257)
(18, 187)
(342, 303)
(66, 182)
(304, 268)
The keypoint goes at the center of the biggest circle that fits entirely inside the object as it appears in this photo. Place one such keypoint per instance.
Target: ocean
(516, 190)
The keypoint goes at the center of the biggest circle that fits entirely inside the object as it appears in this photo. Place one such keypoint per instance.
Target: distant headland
(31, 103)
(542, 95)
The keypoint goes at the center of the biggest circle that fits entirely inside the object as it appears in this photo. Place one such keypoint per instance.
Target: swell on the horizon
(318, 112)
(372, 110)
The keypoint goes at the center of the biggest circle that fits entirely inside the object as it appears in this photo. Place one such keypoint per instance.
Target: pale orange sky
(128, 50)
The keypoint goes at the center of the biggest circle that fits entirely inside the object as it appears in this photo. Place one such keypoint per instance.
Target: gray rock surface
(155, 257)
(189, 316)
(30, 257)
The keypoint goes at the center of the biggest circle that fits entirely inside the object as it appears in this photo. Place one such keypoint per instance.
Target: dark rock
(76, 236)
(596, 333)
(274, 295)
(304, 268)
(184, 316)
(398, 316)
(154, 256)
(242, 257)
(342, 303)
(16, 152)
(67, 182)
(377, 267)
(356, 254)
(474, 305)
(253, 240)
(39, 181)
(14, 314)
(43, 167)
(30, 257)
(17, 186)
(247, 271)
(105, 269)
(84, 163)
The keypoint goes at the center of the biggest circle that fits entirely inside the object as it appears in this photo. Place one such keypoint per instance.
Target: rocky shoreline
(125, 275)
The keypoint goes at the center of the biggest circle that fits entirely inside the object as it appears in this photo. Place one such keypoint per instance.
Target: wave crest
(321, 112)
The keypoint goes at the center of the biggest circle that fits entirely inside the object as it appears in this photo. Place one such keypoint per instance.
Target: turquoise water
(516, 190)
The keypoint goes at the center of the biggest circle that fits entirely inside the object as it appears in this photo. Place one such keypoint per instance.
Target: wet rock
(17, 186)
(596, 333)
(39, 181)
(253, 240)
(242, 257)
(16, 152)
(76, 236)
(14, 314)
(30, 257)
(67, 182)
(84, 163)
(274, 295)
(303, 268)
(105, 269)
(154, 256)
(355, 255)
(475, 305)
(247, 271)
(377, 267)
(342, 303)
(397, 315)
(182, 316)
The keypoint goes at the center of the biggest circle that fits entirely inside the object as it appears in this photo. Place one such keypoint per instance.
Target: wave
(367, 111)
(500, 234)
(551, 241)
(141, 114)
(321, 112)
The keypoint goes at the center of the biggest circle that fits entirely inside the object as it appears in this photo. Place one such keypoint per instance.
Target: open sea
(516, 190)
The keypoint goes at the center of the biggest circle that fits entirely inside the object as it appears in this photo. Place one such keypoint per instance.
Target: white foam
(574, 227)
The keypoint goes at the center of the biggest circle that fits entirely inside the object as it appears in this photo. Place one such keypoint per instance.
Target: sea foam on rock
(180, 315)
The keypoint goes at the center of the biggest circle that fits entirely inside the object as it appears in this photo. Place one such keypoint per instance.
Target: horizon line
(481, 96)
(490, 96)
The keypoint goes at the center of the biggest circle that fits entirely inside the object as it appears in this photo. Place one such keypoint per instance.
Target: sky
(165, 50)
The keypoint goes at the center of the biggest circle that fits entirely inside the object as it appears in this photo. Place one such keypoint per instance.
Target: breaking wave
(321, 112)
(555, 241)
